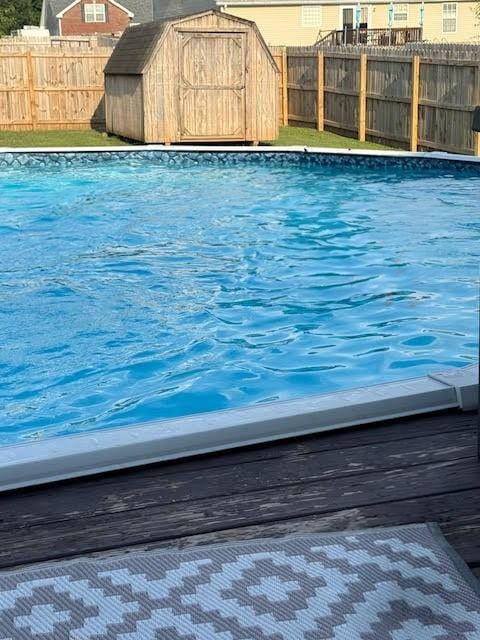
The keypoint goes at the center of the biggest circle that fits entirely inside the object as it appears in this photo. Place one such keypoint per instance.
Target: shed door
(212, 86)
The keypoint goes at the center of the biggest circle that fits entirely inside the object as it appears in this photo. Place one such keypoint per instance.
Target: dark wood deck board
(411, 470)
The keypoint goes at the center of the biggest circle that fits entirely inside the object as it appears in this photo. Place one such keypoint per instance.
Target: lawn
(313, 138)
(85, 138)
(90, 138)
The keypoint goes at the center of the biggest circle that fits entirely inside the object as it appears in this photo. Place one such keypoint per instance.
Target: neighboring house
(84, 17)
(301, 22)
(282, 22)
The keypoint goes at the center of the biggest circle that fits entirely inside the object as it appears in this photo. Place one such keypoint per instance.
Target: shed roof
(135, 47)
(138, 43)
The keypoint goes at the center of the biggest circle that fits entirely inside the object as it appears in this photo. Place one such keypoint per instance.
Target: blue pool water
(132, 290)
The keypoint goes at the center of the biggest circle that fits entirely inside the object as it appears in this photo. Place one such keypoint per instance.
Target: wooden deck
(412, 470)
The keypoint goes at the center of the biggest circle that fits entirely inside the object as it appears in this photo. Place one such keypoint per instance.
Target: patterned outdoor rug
(384, 584)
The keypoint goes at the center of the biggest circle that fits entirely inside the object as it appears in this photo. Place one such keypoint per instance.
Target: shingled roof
(167, 9)
(135, 47)
(138, 43)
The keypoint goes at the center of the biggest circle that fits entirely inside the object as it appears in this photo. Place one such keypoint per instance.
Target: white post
(358, 17)
(390, 22)
(422, 16)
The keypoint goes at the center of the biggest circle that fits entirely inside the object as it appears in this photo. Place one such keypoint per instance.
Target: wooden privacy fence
(407, 101)
(52, 90)
(414, 103)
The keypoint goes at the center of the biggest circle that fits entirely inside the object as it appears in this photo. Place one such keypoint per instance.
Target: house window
(311, 16)
(400, 12)
(95, 13)
(449, 22)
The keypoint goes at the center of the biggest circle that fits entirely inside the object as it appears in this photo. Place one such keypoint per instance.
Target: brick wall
(73, 23)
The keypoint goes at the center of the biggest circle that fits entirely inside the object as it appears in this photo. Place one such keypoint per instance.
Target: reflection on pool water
(132, 290)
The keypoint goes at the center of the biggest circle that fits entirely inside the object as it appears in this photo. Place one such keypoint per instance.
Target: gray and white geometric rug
(383, 584)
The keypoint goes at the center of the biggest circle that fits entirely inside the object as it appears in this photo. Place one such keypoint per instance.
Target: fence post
(320, 91)
(414, 103)
(31, 90)
(284, 87)
(362, 98)
(476, 100)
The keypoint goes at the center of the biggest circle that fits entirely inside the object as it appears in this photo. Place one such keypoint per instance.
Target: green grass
(90, 138)
(85, 138)
(313, 138)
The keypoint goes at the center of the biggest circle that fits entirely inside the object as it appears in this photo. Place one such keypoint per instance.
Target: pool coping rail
(60, 458)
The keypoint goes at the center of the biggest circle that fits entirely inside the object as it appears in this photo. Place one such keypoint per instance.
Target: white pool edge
(394, 153)
(60, 458)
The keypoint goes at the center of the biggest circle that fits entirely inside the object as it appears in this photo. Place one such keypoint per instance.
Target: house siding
(73, 24)
(282, 25)
(468, 25)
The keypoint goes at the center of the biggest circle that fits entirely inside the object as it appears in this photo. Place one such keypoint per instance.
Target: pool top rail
(53, 459)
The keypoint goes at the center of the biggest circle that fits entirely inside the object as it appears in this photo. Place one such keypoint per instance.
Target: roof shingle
(137, 43)
(134, 49)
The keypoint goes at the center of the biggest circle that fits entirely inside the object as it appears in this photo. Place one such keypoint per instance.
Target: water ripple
(143, 292)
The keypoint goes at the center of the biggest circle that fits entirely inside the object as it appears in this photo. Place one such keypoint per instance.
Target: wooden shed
(198, 78)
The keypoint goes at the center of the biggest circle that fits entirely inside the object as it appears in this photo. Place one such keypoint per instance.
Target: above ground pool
(149, 285)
